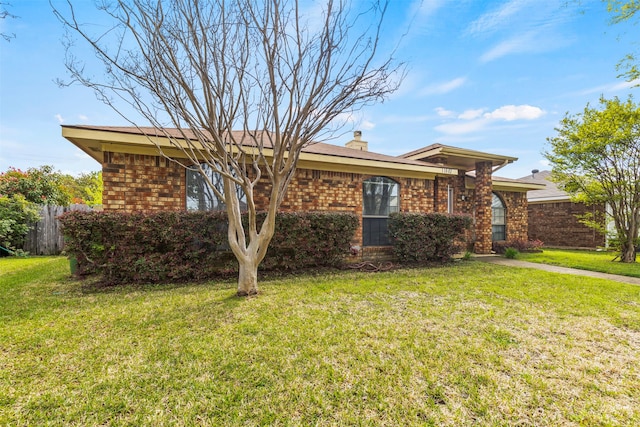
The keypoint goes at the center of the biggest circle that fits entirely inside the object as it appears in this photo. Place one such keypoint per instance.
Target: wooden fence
(45, 236)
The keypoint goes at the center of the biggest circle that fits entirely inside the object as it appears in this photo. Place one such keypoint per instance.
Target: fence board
(45, 236)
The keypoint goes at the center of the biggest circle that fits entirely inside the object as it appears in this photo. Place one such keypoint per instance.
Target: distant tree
(42, 186)
(626, 10)
(261, 67)
(16, 216)
(84, 189)
(596, 159)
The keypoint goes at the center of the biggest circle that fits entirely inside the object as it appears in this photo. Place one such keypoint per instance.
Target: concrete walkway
(495, 259)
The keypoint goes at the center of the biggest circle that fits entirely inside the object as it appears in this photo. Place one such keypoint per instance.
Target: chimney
(357, 143)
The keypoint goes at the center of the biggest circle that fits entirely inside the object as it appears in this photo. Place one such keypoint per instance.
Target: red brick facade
(150, 183)
(556, 224)
(517, 214)
(483, 196)
(134, 182)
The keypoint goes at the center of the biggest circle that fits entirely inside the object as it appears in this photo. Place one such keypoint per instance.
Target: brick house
(553, 217)
(349, 178)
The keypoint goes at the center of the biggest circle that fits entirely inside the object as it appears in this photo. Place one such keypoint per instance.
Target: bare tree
(4, 13)
(261, 67)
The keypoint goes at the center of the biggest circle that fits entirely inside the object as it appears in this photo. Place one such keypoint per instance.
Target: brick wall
(149, 183)
(557, 226)
(135, 182)
(517, 214)
(483, 208)
(313, 190)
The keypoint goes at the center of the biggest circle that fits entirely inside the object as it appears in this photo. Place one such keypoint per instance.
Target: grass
(583, 260)
(467, 344)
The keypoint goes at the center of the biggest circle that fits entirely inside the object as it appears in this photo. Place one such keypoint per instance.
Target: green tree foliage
(42, 186)
(21, 193)
(596, 159)
(16, 213)
(622, 11)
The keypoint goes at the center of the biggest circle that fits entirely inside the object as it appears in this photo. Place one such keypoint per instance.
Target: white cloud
(515, 112)
(83, 118)
(445, 87)
(471, 114)
(59, 118)
(612, 87)
(442, 112)
(459, 128)
(491, 21)
(476, 120)
(367, 125)
(519, 44)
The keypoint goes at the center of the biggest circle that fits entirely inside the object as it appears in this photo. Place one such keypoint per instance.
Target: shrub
(520, 245)
(16, 215)
(178, 246)
(511, 253)
(420, 238)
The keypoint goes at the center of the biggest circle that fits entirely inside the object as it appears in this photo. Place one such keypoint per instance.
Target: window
(450, 199)
(200, 196)
(498, 219)
(379, 199)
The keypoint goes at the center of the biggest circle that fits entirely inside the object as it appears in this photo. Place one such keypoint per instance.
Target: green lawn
(468, 344)
(583, 260)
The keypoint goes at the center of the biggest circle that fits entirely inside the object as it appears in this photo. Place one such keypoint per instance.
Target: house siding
(517, 214)
(134, 182)
(555, 224)
(154, 183)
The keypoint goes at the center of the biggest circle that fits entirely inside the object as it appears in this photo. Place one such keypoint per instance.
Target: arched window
(200, 196)
(498, 219)
(379, 199)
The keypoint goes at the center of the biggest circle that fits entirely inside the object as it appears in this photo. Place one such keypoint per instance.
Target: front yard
(467, 344)
(584, 260)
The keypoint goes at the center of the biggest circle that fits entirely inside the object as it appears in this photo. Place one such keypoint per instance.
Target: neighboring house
(349, 178)
(553, 217)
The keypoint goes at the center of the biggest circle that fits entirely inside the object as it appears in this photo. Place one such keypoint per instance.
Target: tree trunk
(628, 253)
(247, 277)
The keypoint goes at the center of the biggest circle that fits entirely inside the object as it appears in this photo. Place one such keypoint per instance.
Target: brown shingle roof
(313, 148)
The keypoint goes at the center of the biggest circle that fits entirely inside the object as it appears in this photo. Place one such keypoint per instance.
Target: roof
(460, 158)
(509, 184)
(423, 163)
(313, 148)
(550, 193)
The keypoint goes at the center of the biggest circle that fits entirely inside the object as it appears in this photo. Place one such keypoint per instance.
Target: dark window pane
(375, 232)
(200, 195)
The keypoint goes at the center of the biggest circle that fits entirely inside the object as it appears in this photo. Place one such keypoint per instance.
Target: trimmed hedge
(521, 245)
(180, 246)
(426, 237)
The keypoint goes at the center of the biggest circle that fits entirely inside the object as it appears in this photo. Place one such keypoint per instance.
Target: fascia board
(148, 145)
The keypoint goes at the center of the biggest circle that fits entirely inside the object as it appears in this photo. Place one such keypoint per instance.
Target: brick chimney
(357, 143)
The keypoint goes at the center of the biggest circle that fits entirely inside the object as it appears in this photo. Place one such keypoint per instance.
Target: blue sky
(494, 76)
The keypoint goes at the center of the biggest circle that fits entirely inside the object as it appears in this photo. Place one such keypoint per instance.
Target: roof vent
(357, 143)
(534, 172)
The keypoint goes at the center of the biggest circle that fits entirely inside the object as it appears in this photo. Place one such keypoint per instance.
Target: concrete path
(494, 259)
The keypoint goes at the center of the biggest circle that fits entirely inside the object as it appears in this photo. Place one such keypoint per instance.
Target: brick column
(483, 191)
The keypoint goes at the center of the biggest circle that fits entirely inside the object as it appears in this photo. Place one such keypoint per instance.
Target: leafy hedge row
(521, 245)
(156, 247)
(426, 237)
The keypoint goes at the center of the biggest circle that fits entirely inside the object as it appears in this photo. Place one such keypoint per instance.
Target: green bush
(511, 253)
(180, 246)
(521, 245)
(420, 238)
(16, 215)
